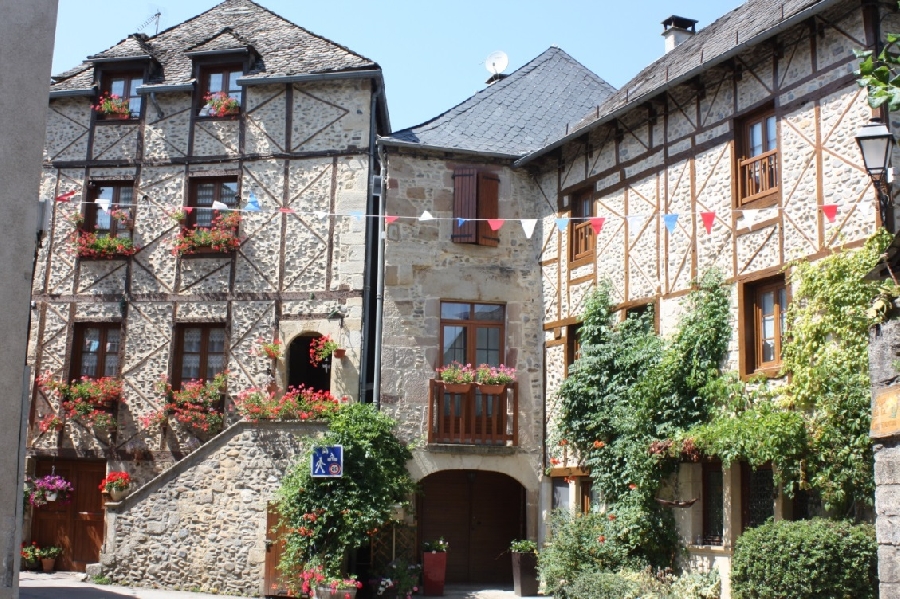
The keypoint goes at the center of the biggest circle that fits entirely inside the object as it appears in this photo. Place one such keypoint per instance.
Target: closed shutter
(464, 205)
(488, 194)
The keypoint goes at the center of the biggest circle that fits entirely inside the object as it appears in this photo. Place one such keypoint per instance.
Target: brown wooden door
(274, 548)
(76, 526)
(479, 513)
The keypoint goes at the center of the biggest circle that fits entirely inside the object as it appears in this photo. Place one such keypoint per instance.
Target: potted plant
(271, 350)
(434, 566)
(400, 579)
(87, 400)
(91, 245)
(524, 563)
(220, 104)
(338, 588)
(112, 106)
(30, 555)
(457, 378)
(298, 403)
(116, 484)
(48, 557)
(50, 422)
(50, 488)
(321, 349)
(492, 380)
(196, 404)
(221, 236)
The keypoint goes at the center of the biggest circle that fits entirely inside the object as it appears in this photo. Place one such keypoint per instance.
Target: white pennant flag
(216, 205)
(634, 223)
(320, 214)
(103, 204)
(528, 226)
(426, 216)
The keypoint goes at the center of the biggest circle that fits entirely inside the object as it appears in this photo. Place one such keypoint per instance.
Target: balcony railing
(758, 176)
(473, 418)
(582, 240)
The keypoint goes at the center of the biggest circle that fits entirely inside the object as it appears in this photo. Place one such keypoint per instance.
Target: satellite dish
(496, 62)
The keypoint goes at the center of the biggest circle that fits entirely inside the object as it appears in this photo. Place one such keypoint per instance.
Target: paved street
(68, 585)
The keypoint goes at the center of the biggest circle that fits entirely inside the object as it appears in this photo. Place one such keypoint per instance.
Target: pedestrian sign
(327, 461)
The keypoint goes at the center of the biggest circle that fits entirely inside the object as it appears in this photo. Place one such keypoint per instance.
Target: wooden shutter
(464, 204)
(488, 194)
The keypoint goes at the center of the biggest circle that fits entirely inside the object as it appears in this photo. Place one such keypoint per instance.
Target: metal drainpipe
(379, 283)
(370, 344)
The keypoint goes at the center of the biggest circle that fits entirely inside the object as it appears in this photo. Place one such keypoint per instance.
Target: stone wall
(202, 523)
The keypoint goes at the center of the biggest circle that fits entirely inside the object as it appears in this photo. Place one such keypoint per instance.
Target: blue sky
(432, 53)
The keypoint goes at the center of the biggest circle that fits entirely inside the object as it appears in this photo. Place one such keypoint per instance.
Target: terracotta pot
(525, 579)
(492, 389)
(327, 593)
(434, 572)
(457, 387)
(47, 564)
(116, 116)
(340, 352)
(117, 495)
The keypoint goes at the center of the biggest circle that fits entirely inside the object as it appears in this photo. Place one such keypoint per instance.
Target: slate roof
(750, 23)
(225, 40)
(285, 49)
(517, 114)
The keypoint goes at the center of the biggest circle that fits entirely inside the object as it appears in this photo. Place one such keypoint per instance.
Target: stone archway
(300, 371)
(478, 512)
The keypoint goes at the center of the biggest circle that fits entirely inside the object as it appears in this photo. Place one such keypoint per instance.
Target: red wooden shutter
(488, 197)
(464, 204)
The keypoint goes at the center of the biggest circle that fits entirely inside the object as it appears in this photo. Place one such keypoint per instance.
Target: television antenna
(155, 17)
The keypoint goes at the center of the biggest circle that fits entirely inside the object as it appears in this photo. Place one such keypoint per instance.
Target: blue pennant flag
(670, 220)
(252, 203)
(357, 214)
(562, 223)
(460, 222)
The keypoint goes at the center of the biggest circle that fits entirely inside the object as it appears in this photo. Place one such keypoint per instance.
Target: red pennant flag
(286, 210)
(65, 197)
(708, 219)
(188, 209)
(496, 223)
(830, 211)
(597, 224)
(389, 219)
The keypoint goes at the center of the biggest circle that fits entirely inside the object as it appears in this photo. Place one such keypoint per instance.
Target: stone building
(235, 113)
(735, 150)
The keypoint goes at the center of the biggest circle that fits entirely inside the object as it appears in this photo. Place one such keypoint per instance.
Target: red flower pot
(339, 353)
(434, 572)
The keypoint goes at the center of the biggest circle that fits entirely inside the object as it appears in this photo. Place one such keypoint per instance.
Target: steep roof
(284, 49)
(516, 115)
(746, 25)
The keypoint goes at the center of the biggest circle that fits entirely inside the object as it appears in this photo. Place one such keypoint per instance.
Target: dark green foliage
(818, 558)
(597, 584)
(328, 516)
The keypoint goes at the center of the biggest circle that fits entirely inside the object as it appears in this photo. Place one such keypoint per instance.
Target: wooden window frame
(476, 198)
(116, 228)
(75, 371)
(586, 485)
(766, 165)
(582, 241)
(471, 325)
(129, 76)
(749, 297)
(224, 68)
(177, 360)
(196, 182)
(708, 537)
(573, 345)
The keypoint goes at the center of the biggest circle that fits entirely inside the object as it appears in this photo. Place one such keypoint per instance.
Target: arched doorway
(478, 513)
(300, 371)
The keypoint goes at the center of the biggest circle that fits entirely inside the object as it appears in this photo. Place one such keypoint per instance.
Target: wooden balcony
(759, 177)
(582, 240)
(473, 418)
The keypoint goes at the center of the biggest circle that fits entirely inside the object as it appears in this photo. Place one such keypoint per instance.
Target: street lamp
(875, 143)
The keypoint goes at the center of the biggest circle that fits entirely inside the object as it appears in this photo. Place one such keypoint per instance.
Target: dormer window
(119, 99)
(220, 94)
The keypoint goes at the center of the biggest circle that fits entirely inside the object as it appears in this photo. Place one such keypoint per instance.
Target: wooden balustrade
(473, 418)
(758, 176)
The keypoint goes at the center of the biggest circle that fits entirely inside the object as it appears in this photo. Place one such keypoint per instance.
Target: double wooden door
(478, 513)
(76, 526)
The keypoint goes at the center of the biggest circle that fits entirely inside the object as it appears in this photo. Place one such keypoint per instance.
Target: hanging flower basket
(50, 488)
(320, 350)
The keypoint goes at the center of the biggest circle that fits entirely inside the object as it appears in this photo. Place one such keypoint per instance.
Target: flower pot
(48, 563)
(118, 494)
(329, 593)
(492, 389)
(29, 564)
(339, 353)
(434, 572)
(457, 387)
(51, 495)
(525, 579)
(116, 116)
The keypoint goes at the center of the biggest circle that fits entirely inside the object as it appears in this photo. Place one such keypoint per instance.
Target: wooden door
(274, 549)
(479, 513)
(76, 526)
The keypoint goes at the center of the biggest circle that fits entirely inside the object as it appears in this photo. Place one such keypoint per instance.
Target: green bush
(818, 558)
(597, 584)
(645, 584)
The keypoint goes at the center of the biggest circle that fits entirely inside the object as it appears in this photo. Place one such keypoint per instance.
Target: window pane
(216, 341)
(117, 88)
(214, 83)
(767, 303)
(228, 193)
(192, 341)
(112, 341)
(190, 367)
(89, 365)
(454, 345)
(560, 493)
(233, 86)
(134, 100)
(771, 134)
(487, 346)
(205, 195)
(756, 140)
(768, 351)
(451, 311)
(91, 341)
(214, 365)
(491, 312)
(714, 512)
(782, 310)
(101, 228)
(111, 364)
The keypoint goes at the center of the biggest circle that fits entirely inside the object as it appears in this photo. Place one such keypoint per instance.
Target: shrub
(597, 584)
(817, 558)
(645, 584)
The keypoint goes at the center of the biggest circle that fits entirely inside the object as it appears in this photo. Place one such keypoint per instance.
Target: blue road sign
(327, 461)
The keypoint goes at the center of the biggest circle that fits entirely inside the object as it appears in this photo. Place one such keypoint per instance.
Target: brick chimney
(677, 30)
